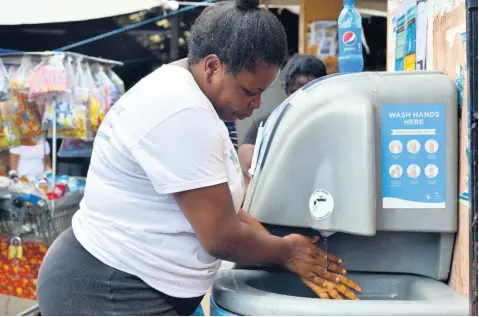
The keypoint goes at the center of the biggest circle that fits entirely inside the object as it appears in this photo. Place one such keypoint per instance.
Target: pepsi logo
(349, 38)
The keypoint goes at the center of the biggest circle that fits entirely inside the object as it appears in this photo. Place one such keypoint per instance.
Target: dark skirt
(73, 282)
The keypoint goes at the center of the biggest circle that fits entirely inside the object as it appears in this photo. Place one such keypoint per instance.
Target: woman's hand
(310, 262)
(333, 290)
(325, 273)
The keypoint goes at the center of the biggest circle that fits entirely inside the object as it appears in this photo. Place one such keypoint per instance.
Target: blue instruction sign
(413, 156)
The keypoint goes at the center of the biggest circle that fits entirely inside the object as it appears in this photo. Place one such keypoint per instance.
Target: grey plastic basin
(256, 292)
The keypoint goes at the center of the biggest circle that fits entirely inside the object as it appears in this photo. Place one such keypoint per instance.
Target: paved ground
(11, 306)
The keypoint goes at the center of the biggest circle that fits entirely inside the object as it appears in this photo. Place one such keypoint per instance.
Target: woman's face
(235, 97)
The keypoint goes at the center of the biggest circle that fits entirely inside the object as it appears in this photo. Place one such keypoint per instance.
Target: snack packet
(10, 136)
(20, 78)
(120, 85)
(24, 113)
(71, 113)
(105, 86)
(4, 83)
(48, 77)
(26, 116)
(96, 101)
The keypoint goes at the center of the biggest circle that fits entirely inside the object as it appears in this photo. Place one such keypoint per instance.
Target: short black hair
(302, 65)
(240, 34)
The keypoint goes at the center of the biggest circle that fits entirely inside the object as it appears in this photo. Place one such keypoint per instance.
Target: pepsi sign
(349, 38)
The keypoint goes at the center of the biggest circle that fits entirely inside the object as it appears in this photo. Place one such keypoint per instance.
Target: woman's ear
(213, 65)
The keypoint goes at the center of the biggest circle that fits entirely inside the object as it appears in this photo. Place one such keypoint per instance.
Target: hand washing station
(369, 161)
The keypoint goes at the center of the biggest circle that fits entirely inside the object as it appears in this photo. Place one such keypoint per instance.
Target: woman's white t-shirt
(32, 159)
(163, 136)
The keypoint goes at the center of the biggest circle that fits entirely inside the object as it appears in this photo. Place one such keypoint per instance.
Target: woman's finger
(333, 294)
(320, 291)
(350, 283)
(322, 272)
(346, 292)
(321, 255)
(335, 259)
(333, 267)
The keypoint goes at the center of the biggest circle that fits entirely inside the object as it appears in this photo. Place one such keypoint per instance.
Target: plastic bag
(96, 101)
(23, 112)
(120, 85)
(104, 84)
(4, 83)
(71, 113)
(20, 78)
(27, 117)
(10, 136)
(75, 148)
(48, 77)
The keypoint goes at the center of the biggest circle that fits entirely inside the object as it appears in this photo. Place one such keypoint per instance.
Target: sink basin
(257, 292)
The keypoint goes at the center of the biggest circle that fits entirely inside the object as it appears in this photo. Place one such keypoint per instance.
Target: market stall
(46, 95)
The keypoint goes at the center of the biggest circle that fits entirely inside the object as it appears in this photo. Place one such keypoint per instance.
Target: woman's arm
(250, 220)
(48, 163)
(48, 160)
(14, 159)
(210, 212)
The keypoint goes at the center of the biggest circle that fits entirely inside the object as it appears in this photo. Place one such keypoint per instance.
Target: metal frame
(15, 58)
(472, 42)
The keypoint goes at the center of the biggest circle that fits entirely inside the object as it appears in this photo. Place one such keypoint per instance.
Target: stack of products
(20, 258)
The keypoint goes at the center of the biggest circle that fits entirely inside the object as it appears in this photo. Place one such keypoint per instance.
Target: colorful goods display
(58, 96)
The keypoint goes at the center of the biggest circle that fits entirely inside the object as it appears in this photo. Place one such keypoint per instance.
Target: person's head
(300, 70)
(235, 52)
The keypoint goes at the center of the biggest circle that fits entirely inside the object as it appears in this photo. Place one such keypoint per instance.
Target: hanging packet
(82, 98)
(120, 85)
(4, 83)
(71, 117)
(25, 113)
(105, 86)
(48, 77)
(19, 80)
(96, 101)
(10, 135)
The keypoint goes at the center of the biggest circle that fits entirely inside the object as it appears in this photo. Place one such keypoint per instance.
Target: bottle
(43, 185)
(13, 175)
(350, 27)
(59, 191)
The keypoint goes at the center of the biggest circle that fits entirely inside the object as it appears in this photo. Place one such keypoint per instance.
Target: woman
(299, 71)
(31, 159)
(164, 188)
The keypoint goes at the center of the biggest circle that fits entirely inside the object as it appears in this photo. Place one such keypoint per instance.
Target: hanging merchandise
(23, 112)
(48, 77)
(4, 99)
(71, 116)
(60, 98)
(97, 106)
(4, 83)
(10, 133)
(106, 86)
(120, 85)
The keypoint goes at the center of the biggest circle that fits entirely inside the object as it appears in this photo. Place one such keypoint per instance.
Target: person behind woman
(31, 159)
(299, 71)
(164, 189)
